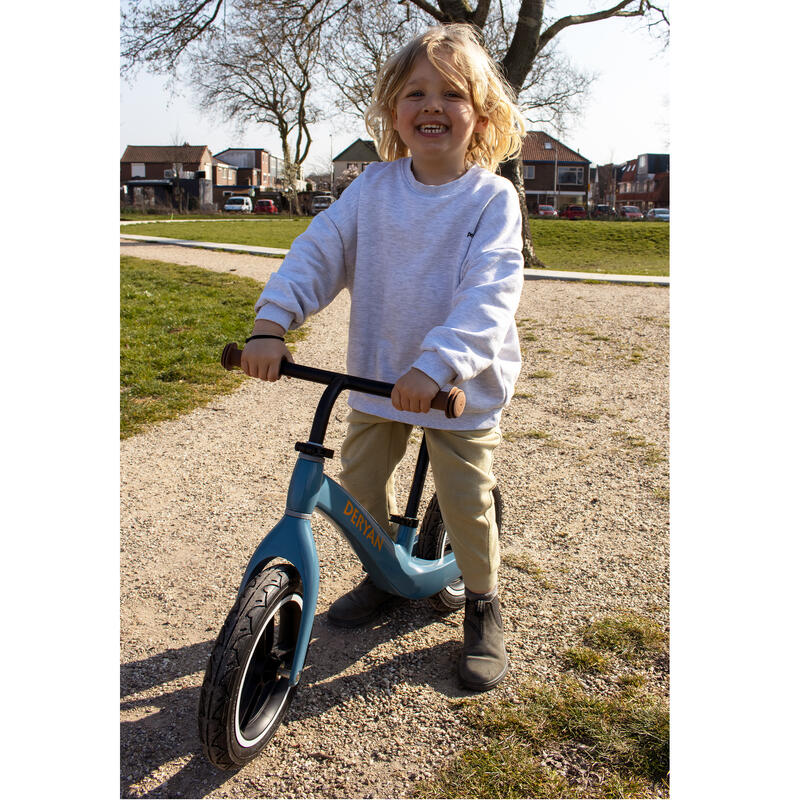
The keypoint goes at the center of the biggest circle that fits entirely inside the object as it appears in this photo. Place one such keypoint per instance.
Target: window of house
(572, 175)
(137, 170)
(528, 172)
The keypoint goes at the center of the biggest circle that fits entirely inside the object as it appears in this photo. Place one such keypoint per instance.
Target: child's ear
(481, 124)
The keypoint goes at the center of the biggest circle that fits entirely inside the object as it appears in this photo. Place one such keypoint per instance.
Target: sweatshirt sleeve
(485, 300)
(315, 269)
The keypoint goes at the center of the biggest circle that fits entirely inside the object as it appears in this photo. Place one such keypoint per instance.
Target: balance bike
(254, 668)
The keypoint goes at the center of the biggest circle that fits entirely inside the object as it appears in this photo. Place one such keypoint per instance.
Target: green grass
(630, 636)
(651, 454)
(153, 214)
(276, 232)
(559, 740)
(595, 246)
(585, 659)
(174, 321)
(571, 245)
(512, 436)
(617, 746)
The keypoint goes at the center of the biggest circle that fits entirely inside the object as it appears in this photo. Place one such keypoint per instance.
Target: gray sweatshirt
(435, 276)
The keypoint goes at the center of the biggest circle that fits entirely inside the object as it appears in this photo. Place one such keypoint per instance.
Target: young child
(428, 243)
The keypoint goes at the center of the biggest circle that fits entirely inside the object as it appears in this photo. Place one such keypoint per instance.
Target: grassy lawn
(154, 216)
(144, 215)
(174, 323)
(560, 740)
(627, 248)
(275, 232)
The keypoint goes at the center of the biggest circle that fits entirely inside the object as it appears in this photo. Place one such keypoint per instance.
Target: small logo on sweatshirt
(471, 234)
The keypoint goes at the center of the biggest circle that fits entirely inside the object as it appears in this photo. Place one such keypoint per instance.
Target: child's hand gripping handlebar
(452, 402)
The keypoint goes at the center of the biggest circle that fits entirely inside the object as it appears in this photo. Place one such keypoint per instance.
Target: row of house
(553, 174)
(642, 182)
(557, 175)
(154, 175)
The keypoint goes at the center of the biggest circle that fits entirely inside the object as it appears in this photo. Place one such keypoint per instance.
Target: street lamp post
(555, 178)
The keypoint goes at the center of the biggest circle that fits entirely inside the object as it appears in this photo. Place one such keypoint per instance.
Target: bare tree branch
(432, 11)
(642, 8)
(159, 35)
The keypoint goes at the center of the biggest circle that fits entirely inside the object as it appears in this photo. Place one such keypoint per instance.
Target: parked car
(573, 212)
(240, 203)
(630, 212)
(546, 211)
(658, 215)
(264, 206)
(320, 203)
(602, 211)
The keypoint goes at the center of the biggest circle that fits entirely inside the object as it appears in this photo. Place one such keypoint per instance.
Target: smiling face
(435, 120)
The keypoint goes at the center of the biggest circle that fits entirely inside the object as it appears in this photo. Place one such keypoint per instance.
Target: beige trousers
(461, 462)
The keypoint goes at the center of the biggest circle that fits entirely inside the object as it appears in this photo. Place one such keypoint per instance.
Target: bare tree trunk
(513, 171)
(289, 175)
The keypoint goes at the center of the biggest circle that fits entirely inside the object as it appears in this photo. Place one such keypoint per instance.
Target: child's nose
(433, 104)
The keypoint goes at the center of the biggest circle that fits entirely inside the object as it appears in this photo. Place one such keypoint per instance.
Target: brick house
(156, 162)
(360, 153)
(257, 167)
(603, 185)
(258, 174)
(644, 181)
(224, 174)
(542, 156)
(166, 175)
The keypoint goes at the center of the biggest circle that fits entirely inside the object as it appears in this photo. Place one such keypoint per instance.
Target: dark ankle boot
(361, 605)
(483, 662)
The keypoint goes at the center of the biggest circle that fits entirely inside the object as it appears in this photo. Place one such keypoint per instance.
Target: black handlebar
(452, 402)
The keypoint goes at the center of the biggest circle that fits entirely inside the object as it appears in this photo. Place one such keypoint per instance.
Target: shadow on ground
(160, 729)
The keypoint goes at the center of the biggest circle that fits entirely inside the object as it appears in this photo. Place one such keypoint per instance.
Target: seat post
(417, 484)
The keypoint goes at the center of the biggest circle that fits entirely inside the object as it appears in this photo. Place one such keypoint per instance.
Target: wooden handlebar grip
(231, 356)
(452, 402)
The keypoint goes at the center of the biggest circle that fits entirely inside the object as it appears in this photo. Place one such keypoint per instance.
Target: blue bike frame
(390, 564)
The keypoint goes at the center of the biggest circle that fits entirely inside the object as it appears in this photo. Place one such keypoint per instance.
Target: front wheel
(433, 544)
(246, 691)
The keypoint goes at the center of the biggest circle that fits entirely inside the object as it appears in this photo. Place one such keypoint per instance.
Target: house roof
(359, 150)
(242, 150)
(534, 149)
(219, 162)
(628, 170)
(161, 154)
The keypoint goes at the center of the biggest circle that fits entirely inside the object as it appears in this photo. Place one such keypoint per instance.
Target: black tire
(246, 690)
(433, 544)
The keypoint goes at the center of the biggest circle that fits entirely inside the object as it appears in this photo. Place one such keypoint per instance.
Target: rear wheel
(433, 544)
(246, 691)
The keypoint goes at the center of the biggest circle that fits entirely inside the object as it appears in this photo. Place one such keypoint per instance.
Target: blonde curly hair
(455, 51)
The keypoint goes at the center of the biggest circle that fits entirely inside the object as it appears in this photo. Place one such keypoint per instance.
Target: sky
(626, 112)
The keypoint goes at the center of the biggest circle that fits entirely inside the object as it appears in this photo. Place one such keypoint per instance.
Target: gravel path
(584, 475)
